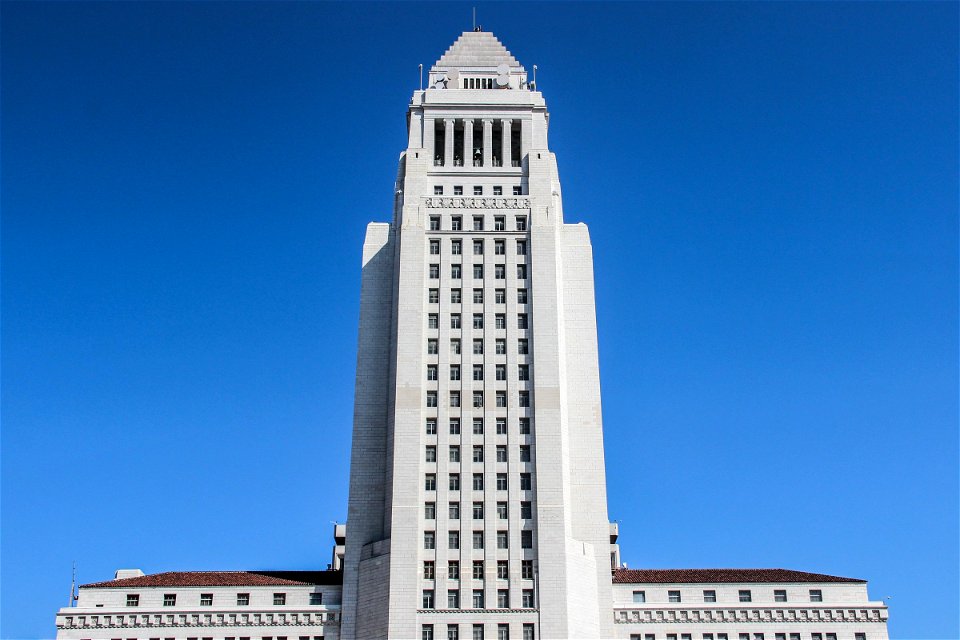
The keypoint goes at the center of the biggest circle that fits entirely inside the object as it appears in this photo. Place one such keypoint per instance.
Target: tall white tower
(478, 504)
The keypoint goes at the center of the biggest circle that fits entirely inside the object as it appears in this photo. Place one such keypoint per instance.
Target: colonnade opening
(476, 143)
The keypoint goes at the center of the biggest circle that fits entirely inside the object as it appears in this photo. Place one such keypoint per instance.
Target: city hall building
(477, 506)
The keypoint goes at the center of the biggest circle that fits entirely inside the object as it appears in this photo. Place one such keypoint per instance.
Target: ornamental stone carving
(479, 202)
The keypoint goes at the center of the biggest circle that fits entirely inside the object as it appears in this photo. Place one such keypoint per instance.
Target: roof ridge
(729, 575)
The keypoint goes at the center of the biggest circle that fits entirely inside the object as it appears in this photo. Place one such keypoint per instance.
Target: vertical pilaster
(526, 136)
(468, 143)
(487, 142)
(448, 124)
(429, 129)
(505, 152)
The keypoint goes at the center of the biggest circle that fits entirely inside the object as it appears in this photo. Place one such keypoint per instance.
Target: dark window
(526, 569)
(526, 539)
(526, 510)
(503, 541)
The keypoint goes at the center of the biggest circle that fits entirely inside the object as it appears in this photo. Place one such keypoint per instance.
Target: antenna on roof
(474, 18)
(73, 586)
(421, 76)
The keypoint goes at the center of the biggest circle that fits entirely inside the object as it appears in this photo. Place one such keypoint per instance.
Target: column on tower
(429, 131)
(487, 142)
(505, 153)
(467, 143)
(448, 125)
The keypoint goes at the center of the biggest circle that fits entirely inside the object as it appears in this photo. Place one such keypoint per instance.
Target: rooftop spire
(476, 49)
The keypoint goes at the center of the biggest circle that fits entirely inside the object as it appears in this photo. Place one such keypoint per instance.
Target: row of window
(744, 595)
(453, 632)
(523, 399)
(430, 453)
(500, 346)
(456, 296)
(453, 484)
(503, 570)
(517, 190)
(499, 223)
(501, 427)
(456, 272)
(206, 599)
(453, 511)
(453, 539)
(499, 321)
(456, 246)
(500, 372)
(746, 636)
(479, 600)
(456, 321)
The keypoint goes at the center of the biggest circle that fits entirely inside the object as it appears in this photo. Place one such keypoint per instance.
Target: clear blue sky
(772, 193)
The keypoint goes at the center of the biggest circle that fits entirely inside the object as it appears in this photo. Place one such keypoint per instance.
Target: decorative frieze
(297, 619)
(477, 202)
(630, 615)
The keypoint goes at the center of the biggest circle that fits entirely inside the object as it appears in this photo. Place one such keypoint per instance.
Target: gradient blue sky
(772, 194)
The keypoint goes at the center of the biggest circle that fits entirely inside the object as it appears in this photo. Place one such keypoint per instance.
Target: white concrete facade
(136, 609)
(748, 611)
(477, 506)
(478, 496)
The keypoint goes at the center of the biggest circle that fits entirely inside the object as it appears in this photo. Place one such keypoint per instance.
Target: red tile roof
(225, 579)
(705, 576)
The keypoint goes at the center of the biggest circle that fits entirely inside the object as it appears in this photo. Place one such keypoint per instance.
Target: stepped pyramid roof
(477, 49)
